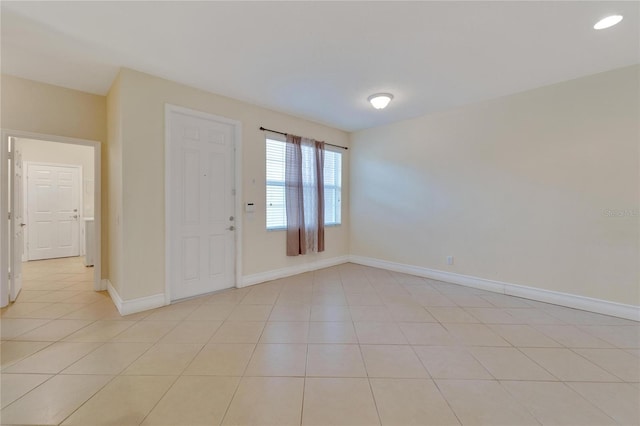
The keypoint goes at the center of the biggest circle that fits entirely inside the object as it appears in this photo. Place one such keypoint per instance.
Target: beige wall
(516, 189)
(31, 106)
(114, 207)
(143, 99)
(42, 108)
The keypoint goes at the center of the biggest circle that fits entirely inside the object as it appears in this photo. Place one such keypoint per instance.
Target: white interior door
(17, 223)
(53, 203)
(200, 205)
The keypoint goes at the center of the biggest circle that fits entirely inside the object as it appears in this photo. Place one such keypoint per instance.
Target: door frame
(15, 280)
(237, 173)
(80, 184)
(5, 134)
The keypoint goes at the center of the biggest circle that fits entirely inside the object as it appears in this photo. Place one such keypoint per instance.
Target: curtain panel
(319, 159)
(304, 195)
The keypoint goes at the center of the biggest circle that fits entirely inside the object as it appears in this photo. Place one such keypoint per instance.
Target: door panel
(53, 204)
(217, 183)
(43, 235)
(200, 205)
(191, 187)
(65, 234)
(217, 254)
(191, 258)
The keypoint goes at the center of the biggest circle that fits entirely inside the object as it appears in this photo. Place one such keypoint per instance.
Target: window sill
(328, 225)
(276, 229)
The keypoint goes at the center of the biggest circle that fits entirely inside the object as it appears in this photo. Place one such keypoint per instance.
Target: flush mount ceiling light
(607, 22)
(380, 100)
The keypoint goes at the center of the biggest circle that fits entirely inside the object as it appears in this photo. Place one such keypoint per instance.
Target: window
(276, 208)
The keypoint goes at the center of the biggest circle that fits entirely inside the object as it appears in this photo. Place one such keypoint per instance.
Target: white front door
(17, 223)
(200, 204)
(53, 203)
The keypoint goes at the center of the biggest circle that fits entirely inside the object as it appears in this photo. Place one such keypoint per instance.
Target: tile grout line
(435, 383)
(175, 380)
(598, 365)
(113, 377)
(373, 397)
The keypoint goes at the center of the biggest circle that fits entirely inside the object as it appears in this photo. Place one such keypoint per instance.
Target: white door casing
(17, 224)
(201, 222)
(53, 206)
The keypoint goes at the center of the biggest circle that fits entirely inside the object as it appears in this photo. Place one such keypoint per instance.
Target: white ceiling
(320, 60)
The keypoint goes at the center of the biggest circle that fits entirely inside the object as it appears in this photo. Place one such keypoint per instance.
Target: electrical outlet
(449, 260)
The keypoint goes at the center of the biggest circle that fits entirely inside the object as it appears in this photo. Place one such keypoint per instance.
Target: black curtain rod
(285, 134)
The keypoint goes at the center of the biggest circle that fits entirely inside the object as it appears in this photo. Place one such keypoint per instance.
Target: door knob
(75, 216)
(231, 228)
(22, 225)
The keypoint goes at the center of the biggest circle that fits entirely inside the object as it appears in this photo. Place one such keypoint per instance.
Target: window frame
(338, 200)
(268, 183)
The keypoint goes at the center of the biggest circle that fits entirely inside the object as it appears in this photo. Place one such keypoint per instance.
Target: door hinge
(9, 274)
(9, 215)
(233, 192)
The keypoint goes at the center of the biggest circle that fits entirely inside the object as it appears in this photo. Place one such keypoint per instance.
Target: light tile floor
(344, 345)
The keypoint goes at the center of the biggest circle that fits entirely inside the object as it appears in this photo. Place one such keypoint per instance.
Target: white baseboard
(548, 296)
(275, 274)
(127, 307)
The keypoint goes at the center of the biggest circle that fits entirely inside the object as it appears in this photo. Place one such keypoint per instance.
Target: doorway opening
(51, 197)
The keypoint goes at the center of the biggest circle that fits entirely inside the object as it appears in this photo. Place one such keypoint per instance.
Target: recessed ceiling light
(380, 100)
(607, 22)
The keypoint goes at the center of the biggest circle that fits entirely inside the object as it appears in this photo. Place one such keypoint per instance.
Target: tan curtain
(296, 238)
(304, 195)
(319, 157)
